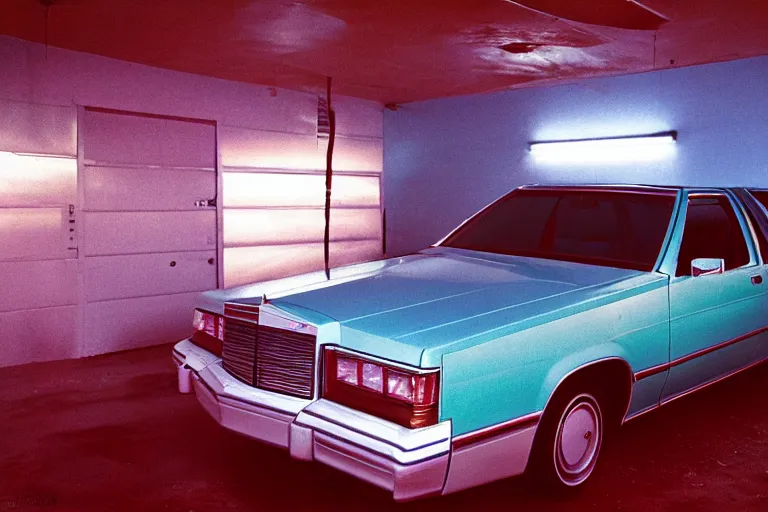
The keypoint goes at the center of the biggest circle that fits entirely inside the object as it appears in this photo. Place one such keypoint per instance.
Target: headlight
(209, 331)
(406, 396)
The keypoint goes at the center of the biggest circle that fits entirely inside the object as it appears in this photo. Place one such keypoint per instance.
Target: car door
(715, 319)
(756, 207)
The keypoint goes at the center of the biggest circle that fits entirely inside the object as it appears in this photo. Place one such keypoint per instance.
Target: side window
(761, 240)
(711, 231)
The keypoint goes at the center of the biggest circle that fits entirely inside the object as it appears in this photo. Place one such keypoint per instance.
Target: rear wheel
(569, 440)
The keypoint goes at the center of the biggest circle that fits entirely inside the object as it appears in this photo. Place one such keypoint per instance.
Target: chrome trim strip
(330, 417)
(711, 382)
(393, 455)
(621, 189)
(695, 389)
(225, 385)
(245, 312)
(387, 362)
(666, 188)
(705, 195)
(269, 317)
(482, 434)
(373, 445)
(641, 412)
(653, 370)
(276, 317)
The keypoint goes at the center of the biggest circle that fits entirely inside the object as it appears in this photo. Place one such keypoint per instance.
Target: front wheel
(569, 440)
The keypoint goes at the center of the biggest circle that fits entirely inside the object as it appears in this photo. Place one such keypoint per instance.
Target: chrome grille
(273, 358)
(239, 348)
(285, 361)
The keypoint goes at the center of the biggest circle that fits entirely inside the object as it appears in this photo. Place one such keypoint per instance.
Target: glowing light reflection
(263, 189)
(36, 180)
(650, 148)
(256, 264)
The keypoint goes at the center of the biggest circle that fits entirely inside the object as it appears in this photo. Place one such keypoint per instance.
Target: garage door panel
(353, 154)
(33, 233)
(38, 335)
(146, 189)
(271, 227)
(263, 189)
(113, 233)
(38, 129)
(37, 181)
(255, 264)
(125, 276)
(38, 284)
(242, 147)
(140, 322)
(135, 139)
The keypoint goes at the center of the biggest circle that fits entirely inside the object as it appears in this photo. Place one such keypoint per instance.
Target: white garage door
(38, 259)
(149, 235)
(274, 203)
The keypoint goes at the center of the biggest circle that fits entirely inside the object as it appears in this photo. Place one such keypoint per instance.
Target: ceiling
(396, 51)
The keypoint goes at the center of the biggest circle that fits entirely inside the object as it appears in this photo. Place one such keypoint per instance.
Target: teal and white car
(516, 343)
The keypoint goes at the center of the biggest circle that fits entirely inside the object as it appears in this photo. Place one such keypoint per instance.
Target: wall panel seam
(39, 308)
(297, 244)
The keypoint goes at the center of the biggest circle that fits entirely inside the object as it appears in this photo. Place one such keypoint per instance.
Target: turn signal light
(404, 396)
(209, 331)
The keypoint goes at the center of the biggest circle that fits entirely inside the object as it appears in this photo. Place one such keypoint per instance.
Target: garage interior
(154, 150)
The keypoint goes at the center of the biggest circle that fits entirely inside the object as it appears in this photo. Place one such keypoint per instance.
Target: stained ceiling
(396, 51)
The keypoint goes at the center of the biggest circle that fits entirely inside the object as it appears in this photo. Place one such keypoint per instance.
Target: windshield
(598, 227)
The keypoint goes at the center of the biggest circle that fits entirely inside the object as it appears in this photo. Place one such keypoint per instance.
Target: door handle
(758, 279)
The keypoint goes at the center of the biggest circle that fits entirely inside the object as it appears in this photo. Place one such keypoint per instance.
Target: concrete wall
(445, 159)
(260, 132)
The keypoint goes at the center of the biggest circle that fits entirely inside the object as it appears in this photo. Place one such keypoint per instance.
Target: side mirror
(706, 266)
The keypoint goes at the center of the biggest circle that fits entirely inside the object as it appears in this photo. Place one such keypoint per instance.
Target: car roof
(629, 187)
(656, 189)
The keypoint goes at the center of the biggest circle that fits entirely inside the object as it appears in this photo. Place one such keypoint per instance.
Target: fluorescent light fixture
(617, 150)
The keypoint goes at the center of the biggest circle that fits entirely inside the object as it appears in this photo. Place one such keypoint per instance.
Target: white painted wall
(259, 130)
(445, 159)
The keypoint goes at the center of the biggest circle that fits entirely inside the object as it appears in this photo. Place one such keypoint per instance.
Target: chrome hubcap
(579, 436)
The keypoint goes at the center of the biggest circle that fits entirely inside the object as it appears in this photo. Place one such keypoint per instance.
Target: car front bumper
(412, 463)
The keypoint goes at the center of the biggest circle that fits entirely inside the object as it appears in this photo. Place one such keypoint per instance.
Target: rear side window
(759, 231)
(712, 231)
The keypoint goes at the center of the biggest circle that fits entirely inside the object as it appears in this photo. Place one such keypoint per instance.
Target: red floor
(111, 433)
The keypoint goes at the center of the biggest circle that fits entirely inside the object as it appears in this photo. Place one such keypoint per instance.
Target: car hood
(412, 312)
